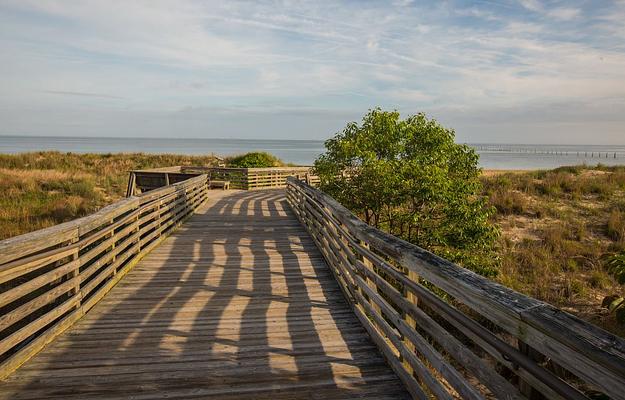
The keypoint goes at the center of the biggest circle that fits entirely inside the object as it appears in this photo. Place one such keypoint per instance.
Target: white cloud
(563, 13)
(532, 5)
(560, 13)
(408, 95)
(161, 56)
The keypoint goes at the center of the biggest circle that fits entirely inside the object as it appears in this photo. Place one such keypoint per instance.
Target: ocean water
(304, 152)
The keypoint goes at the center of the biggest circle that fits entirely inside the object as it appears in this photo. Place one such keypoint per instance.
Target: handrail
(239, 178)
(51, 277)
(434, 320)
(255, 178)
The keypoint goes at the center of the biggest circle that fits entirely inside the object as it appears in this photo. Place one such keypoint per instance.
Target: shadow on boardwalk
(237, 304)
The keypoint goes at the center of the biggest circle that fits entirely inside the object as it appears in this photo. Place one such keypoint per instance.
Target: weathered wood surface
(255, 178)
(219, 184)
(470, 338)
(237, 304)
(140, 181)
(50, 278)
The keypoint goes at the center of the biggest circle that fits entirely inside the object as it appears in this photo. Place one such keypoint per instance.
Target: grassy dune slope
(41, 189)
(558, 227)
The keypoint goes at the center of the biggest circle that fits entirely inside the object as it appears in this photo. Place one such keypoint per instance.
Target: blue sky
(525, 71)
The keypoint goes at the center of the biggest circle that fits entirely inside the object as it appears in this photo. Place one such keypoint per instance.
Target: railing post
(158, 217)
(369, 265)
(136, 230)
(132, 179)
(409, 320)
(524, 387)
(74, 275)
(113, 244)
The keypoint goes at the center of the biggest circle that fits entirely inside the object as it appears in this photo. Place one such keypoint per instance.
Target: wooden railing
(141, 181)
(239, 178)
(50, 278)
(255, 178)
(450, 333)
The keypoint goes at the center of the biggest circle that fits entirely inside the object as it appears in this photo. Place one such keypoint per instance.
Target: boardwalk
(237, 304)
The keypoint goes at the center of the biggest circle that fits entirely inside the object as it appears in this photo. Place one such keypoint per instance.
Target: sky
(506, 71)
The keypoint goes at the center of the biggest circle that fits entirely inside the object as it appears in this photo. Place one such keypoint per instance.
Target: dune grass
(256, 159)
(558, 229)
(42, 189)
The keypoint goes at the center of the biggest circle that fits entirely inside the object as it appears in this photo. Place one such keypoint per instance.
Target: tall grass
(46, 188)
(558, 229)
(558, 226)
(615, 228)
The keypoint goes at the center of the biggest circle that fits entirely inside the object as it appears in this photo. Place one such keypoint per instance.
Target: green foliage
(615, 227)
(508, 202)
(411, 179)
(616, 266)
(255, 160)
(45, 188)
(616, 305)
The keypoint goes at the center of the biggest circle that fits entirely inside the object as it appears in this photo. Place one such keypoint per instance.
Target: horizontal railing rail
(255, 178)
(239, 178)
(51, 277)
(448, 332)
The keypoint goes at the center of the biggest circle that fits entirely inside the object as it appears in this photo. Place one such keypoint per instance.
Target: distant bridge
(185, 292)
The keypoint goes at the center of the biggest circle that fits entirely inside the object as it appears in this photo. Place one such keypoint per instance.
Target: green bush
(615, 228)
(41, 189)
(409, 178)
(508, 202)
(255, 160)
(616, 266)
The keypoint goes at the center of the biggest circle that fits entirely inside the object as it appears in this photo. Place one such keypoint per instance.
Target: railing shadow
(237, 304)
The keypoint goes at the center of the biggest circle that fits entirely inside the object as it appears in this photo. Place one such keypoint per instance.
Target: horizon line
(281, 139)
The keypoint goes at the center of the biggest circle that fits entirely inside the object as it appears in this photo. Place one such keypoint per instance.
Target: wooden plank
(231, 306)
(415, 365)
(31, 348)
(592, 354)
(455, 379)
(132, 186)
(34, 326)
(460, 352)
(183, 199)
(43, 299)
(106, 214)
(19, 291)
(26, 265)
(411, 384)
(25, 245)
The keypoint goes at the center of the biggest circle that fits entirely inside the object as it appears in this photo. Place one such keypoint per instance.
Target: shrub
(616, 266)
(571, 169)
(40, 189)
(410, 178)
(598, 280)
(615, 228)
(508, 202)
(616, 305)
(255, 160)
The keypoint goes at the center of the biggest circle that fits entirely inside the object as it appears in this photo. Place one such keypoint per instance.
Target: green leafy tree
(255, 160)
(409, 177)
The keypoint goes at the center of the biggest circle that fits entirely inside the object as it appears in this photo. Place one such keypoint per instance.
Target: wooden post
(524, 387)
(76, 271)
(130, 191)
(370, 282)
(113, 245)
(409, 320)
